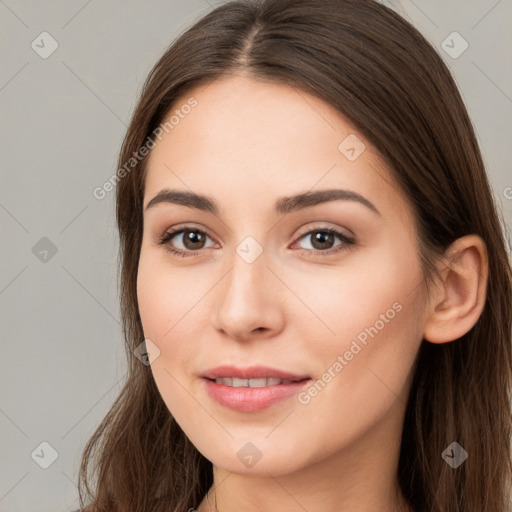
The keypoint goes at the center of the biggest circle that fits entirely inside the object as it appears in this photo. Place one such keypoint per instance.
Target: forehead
(253, 113)
(246, 140)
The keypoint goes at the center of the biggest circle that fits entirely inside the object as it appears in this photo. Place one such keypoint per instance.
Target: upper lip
(251, 372)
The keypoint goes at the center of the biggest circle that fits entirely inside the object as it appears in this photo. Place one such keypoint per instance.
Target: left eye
(323, 239)
(194, 239)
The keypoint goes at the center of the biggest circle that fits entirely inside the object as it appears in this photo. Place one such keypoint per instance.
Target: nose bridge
(248, 262)
(247, 298)
(246, 280)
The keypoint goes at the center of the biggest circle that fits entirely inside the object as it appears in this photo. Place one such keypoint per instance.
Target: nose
(249, 301)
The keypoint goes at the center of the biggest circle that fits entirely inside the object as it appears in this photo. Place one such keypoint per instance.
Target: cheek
(151, 298)
(164, 295)
(172, 308)
(168, 317)
(373, 306)
(343, 301)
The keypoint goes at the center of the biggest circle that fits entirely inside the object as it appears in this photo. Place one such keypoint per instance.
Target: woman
(314, 282)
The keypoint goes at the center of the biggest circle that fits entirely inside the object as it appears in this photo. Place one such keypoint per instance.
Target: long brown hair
(384, 77)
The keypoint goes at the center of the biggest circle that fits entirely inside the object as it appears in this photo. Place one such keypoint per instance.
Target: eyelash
(347, 241)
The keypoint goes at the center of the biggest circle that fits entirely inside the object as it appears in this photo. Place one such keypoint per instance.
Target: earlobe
(459, 298)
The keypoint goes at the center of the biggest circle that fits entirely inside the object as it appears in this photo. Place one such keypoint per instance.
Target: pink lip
(252, 372)
(251, 399)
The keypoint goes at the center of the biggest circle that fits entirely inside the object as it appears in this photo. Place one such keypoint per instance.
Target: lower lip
(252, 399)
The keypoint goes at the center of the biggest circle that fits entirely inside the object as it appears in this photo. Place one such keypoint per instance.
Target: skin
(246, 144)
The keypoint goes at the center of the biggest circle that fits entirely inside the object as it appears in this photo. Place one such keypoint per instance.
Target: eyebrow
(283, 205)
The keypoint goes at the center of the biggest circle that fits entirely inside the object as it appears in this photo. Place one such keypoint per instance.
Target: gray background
(63, 120)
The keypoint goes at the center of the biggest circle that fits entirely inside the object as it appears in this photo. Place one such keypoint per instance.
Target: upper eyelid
(175, 231)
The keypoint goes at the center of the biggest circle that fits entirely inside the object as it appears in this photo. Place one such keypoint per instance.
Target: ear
(459, 298)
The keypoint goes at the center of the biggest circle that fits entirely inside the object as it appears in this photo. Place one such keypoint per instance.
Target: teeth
(250, 383)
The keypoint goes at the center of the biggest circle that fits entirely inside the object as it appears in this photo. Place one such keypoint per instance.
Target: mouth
(252, 395)
(235, 382)
(256, 375)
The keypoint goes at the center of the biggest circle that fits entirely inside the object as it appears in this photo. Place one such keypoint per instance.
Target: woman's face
(262, 283)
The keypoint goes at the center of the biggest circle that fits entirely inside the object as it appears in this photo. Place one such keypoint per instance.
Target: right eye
(193, 239)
